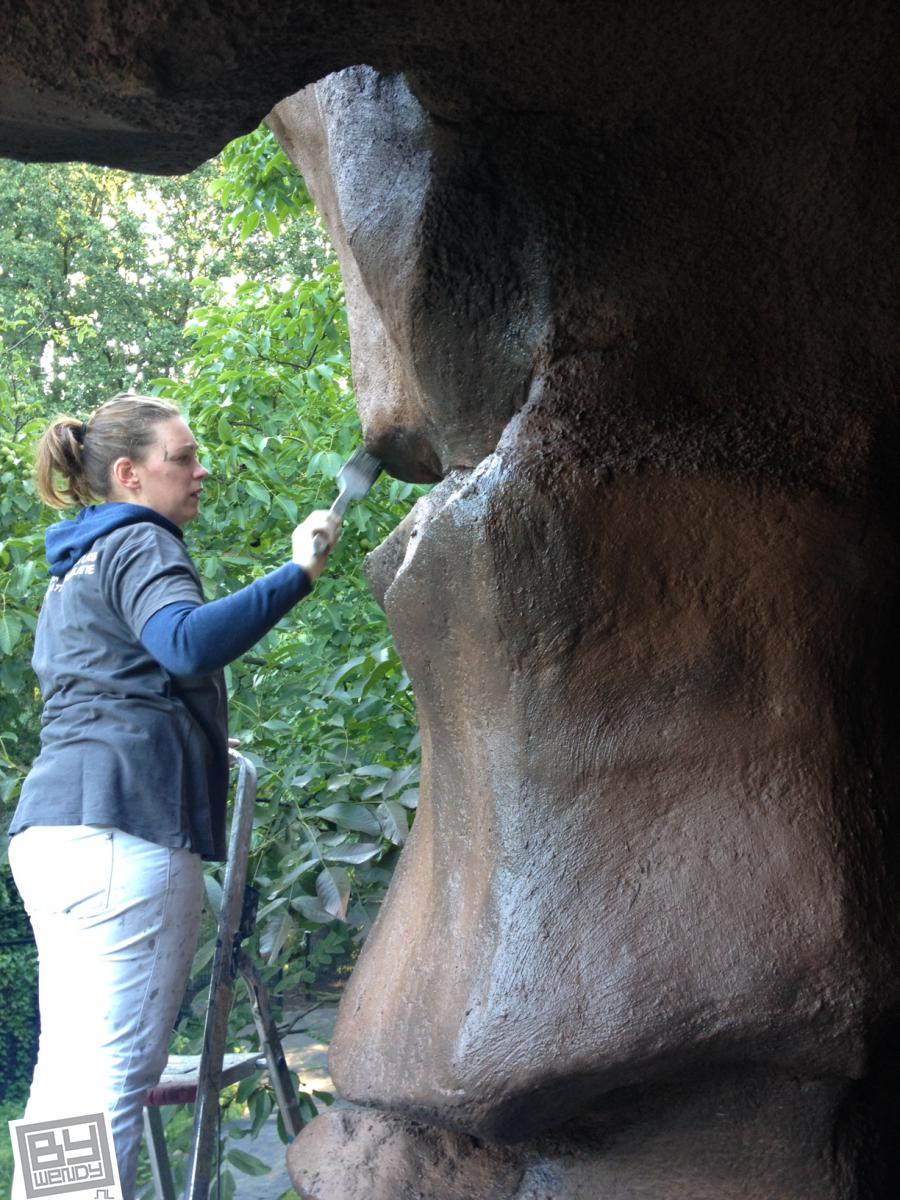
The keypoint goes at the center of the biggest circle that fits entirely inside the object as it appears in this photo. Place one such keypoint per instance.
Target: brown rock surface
(672, 1142)
(373, 1156)
(624, 277)
(651, 635)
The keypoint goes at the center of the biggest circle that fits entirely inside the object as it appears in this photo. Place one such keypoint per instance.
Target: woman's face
(170, 477)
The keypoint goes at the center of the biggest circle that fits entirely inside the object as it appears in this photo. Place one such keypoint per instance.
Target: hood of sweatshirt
(67, 540)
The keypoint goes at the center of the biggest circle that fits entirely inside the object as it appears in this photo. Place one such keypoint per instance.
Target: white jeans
(115, 920)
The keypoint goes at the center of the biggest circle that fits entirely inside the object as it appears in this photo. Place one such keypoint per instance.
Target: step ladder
(198, 1079)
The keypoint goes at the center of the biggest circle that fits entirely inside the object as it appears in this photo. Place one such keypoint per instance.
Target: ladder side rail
(221, 987)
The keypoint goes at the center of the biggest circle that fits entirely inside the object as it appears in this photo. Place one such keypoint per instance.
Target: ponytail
(59, 465)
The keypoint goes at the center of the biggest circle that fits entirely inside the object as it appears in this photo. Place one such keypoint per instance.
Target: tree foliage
(219, 291)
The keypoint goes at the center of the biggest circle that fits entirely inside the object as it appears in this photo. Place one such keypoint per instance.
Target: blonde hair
(74, 458)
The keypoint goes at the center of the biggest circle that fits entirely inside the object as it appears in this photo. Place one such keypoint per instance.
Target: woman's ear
(124, 476)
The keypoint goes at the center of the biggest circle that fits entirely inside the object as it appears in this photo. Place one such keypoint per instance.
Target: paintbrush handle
(341, 505)
(320, 544)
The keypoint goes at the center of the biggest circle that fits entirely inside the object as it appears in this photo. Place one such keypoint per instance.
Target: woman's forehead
(176, 435)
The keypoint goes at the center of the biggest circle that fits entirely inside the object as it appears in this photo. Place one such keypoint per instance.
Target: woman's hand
(320, 529)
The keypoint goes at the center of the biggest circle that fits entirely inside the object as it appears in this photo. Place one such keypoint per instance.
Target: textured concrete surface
(640, 616)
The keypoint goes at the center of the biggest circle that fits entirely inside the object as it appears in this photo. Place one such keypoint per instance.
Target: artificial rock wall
(633, 947)
(623, 280)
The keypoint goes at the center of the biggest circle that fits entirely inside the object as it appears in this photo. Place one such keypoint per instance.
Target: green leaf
(339, 781)
(204, 955)
(261, 1105)
(258, 491)
(23, 576)
(271, 945)
(289, 507)
(225, 1188)
(383, 669)
(213, 893)
(399, 780)
(353, 852)
(373, 771)
(249, 223)
(301, 868)
(342, 672)
(350, 816)
(247, 1162)
(10, 629)
(393, 821)
(312, 909)
(333, 890)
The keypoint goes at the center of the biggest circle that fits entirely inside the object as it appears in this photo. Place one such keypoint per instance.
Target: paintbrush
(355, 479)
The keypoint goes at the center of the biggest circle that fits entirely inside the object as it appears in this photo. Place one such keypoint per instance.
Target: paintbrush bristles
(358, 473)
(363, 464)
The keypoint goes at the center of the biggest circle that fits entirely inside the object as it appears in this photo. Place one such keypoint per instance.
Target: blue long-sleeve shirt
(196, 639)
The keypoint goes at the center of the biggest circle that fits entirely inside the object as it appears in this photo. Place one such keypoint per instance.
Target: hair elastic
(81, 433)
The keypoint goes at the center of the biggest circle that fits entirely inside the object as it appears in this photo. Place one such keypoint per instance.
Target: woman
(128, 793)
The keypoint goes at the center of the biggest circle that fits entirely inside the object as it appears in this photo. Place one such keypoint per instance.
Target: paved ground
(306, 1053)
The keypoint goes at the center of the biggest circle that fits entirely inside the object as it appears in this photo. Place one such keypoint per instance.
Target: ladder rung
(179, 1081)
